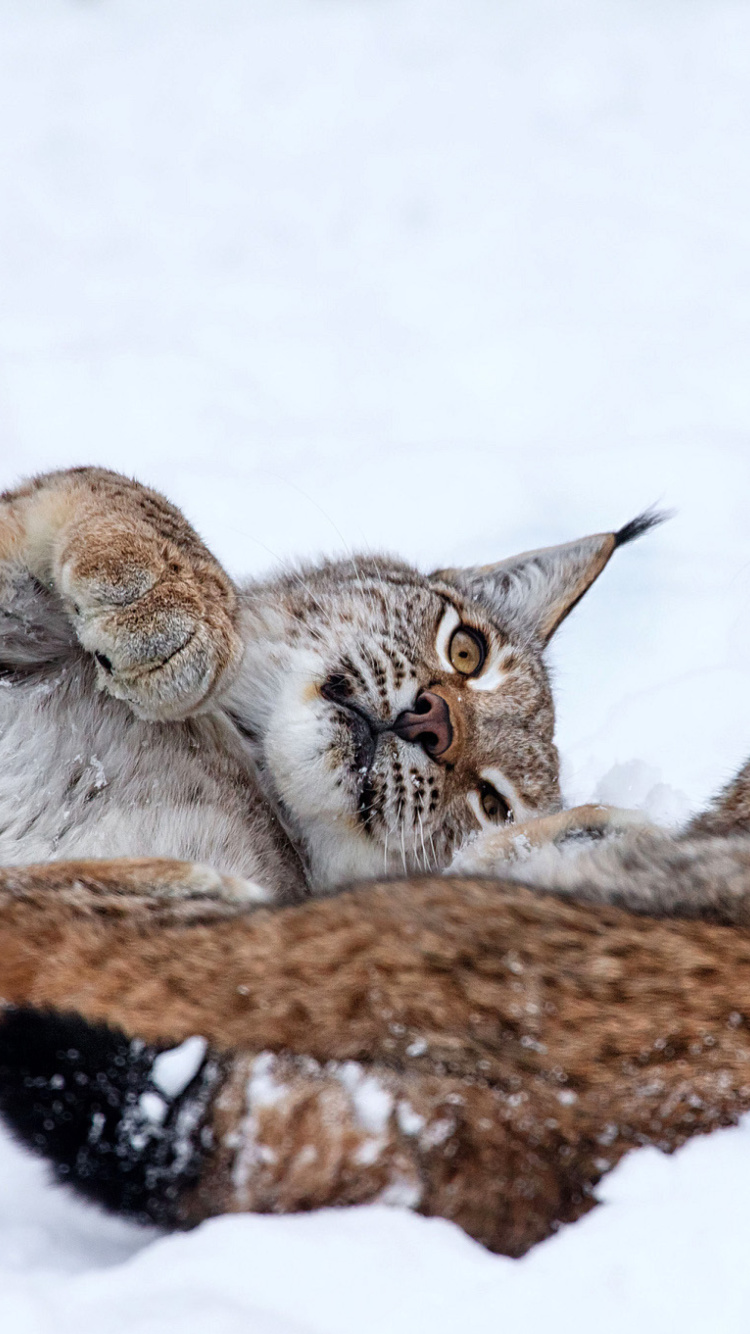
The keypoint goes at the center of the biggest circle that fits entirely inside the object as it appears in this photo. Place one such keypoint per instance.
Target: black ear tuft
(643, 523)
(74, 1091)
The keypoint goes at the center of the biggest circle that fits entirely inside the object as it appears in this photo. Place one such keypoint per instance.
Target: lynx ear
(537, 589)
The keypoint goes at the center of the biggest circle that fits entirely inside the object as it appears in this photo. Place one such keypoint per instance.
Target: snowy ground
(454, 278)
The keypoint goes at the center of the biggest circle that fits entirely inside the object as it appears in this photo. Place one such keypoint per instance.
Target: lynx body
(339, 722)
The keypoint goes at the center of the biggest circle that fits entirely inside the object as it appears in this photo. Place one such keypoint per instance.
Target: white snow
(454, 278)
(152, 1107)
(372, 1103)
(667, 1251)
(173, 1070)
(263, 1088)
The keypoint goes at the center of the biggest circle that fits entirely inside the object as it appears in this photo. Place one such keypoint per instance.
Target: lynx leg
(491, 851)
(144, 595)
(159, 890)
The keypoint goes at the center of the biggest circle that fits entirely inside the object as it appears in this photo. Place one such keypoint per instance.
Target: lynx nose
(428, 724)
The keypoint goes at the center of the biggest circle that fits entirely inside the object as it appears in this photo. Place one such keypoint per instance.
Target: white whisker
(421, 835)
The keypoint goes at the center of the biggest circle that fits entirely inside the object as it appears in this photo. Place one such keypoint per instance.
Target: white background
(452, 278)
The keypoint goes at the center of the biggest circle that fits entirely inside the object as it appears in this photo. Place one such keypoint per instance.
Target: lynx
(212, 1019)
(333, 724)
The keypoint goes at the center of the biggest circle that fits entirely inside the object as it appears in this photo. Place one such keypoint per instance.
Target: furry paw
(493, 851)
(158, 617)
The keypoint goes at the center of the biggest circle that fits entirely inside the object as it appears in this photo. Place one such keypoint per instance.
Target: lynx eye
(467, 650)
(495, 807)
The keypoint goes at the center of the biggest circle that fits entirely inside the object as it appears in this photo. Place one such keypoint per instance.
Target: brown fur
(138, 580)
(525, 1043)
(729, 813)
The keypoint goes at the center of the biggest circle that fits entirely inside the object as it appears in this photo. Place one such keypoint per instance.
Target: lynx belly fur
(468, 1046)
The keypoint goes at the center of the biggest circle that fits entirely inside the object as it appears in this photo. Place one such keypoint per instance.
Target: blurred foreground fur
(469, 1047)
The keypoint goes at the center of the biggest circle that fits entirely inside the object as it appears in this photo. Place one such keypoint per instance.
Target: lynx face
(392, 715)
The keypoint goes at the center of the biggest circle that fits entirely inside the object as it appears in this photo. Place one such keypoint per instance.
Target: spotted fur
(470, 1048)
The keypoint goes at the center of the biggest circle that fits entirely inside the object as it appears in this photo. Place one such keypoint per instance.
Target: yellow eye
(494, 806)
(467, 650)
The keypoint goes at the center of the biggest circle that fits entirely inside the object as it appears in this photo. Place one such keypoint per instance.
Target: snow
(666, 1251)
(173, 1070)
(153, 1108)
(372, 1103)
(449, 277)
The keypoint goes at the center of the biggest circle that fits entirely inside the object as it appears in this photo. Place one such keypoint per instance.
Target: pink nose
(428, 724)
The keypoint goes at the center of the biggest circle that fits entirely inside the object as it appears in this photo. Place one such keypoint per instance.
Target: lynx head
(393, 714)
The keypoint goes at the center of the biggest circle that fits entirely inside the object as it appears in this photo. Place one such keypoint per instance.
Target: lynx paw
(493, 851)
(158, 619)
